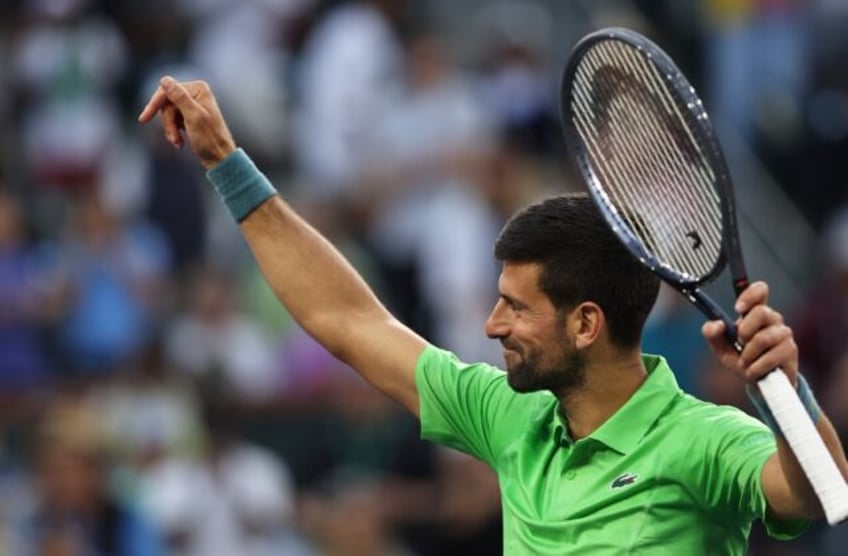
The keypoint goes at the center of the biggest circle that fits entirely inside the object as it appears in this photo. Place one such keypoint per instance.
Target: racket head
(647, 152)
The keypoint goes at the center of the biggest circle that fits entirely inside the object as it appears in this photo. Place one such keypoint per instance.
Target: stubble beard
(564, 374)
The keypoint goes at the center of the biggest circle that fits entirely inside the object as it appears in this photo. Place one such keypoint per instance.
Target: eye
(516, 307)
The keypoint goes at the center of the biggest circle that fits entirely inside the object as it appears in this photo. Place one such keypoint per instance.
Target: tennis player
(596, 448)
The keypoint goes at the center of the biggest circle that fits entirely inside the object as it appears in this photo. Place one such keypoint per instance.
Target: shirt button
(570, 474)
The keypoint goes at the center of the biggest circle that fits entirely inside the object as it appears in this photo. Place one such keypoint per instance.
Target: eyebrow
(512, 301)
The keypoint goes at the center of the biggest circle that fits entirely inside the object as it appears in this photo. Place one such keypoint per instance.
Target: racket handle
(807, 445)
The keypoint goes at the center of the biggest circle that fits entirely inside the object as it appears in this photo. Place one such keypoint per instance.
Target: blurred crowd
(154, 397)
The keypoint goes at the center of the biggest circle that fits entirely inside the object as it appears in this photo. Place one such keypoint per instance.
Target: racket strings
(692, 172)
(638, 205)
(655, 172)
(652, 171)
(701, 170)
(621, 198)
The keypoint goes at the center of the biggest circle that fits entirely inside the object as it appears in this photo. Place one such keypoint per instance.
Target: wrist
(240, 184)
(223, 152)
(805, 394)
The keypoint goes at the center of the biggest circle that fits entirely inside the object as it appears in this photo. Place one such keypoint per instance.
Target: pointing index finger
(157, 101)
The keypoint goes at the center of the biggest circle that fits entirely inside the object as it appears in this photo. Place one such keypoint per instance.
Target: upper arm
(331, 301)
(385, 352)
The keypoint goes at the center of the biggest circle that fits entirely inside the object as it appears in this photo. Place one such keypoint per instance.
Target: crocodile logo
(624, 480)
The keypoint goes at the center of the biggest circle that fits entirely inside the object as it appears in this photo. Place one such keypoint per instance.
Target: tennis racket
(646, 149)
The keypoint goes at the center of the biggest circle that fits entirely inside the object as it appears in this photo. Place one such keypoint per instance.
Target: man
(595, 447)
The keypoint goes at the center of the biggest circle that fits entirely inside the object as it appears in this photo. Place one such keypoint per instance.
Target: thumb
(713, 331)
(178, 95)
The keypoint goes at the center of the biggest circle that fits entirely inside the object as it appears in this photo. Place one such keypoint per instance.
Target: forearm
(794, 474)
(309, 276)
(787, 488)
(320, 289)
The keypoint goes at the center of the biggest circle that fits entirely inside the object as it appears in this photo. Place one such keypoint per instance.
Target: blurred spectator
(23, 361)
(150, 413)
(519, 85)
(4, 78)
(17, 497)
(349, 71)
(757, 64)
(835, 394)
(469, 506)
(176, 204)
(347, 518)
(215, 340)
(107, 276)
(835, 539)
(237, 499)
(823, 175)
(443, 502)
(67, 61)
(821, 325)
(75, 514)
(431, 225)
(350, 427)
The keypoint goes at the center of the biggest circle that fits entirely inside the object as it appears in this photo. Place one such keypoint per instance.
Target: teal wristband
(240, 184)
(807, 398)
(805, 394)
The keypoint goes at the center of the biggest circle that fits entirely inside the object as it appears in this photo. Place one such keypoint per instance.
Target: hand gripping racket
(648, 154)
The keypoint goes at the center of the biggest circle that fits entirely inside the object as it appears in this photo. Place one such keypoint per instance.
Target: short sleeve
(470, 407)
(738, 447)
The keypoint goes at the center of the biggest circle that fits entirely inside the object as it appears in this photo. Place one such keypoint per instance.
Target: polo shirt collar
(625, 429)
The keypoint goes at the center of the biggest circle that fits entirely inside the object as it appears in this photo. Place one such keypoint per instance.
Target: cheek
(554, 348)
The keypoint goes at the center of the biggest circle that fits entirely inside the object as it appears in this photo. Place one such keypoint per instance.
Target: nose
(497, 325)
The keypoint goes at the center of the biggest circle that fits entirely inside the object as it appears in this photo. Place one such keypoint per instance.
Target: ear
(585, 324)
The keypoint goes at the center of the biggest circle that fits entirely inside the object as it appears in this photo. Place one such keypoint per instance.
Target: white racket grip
(807, 445)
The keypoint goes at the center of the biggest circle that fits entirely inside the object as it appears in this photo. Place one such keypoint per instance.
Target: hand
(191, 107)
(767, 340)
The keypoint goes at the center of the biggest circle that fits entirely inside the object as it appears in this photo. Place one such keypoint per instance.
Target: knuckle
(757, 313)
(775, 316)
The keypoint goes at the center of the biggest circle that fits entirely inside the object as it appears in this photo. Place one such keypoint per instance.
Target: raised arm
(316, 284)
(768, 344)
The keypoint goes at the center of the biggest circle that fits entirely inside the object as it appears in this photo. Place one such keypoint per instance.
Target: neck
(610, 381)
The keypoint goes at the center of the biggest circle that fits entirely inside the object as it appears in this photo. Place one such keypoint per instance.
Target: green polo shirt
(666, 474)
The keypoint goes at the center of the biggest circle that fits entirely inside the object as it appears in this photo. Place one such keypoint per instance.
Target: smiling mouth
(506, 347)
(509, 350)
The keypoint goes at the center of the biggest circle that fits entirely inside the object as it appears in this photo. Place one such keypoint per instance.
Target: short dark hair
(582, 260)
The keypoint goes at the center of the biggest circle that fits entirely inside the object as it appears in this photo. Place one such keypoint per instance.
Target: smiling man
(596, 449)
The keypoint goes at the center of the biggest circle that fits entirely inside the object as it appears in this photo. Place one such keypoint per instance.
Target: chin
(522, 383)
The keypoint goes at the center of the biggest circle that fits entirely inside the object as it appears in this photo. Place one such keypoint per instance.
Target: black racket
(646, 149)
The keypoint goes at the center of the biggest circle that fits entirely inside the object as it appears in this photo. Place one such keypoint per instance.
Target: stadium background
(146, 373)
